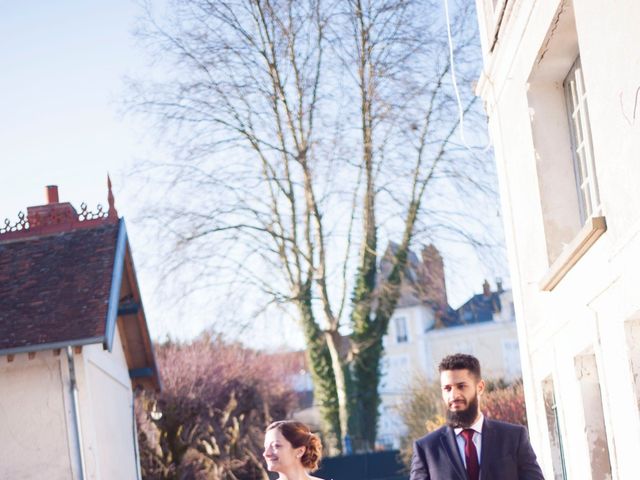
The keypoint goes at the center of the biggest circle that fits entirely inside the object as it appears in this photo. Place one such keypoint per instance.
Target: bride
(292, 450)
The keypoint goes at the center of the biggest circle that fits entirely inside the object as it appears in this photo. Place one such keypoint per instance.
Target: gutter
(75, 410)
(134, 432)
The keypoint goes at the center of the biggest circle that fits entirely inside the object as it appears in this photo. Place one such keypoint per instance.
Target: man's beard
(463, 418)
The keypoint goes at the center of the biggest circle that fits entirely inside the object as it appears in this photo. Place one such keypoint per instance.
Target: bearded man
(470, 446)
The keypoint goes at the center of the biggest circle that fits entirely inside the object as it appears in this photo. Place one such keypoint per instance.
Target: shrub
(216, 400)
(506, 403)
(424, 410)
(421, 413)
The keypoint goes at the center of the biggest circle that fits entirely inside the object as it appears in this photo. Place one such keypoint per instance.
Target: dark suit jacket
(505, 454)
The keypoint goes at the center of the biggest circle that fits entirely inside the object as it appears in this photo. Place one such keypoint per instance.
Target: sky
(63, 66)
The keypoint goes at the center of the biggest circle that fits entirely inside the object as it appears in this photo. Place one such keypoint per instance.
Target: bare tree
(306, 131)
(209, 420)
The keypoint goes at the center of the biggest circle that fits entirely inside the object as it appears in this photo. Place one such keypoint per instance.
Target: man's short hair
(460, 361)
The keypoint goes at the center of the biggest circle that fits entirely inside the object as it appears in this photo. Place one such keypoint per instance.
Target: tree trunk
(322, 372)
(342, 387)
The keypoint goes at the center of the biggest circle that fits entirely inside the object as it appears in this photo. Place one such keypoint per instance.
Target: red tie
(471, 454)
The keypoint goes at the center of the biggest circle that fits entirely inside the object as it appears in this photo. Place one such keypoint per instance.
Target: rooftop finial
(113, 213)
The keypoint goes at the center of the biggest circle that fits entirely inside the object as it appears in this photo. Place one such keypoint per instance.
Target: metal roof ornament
(21, 224)
(113, 213)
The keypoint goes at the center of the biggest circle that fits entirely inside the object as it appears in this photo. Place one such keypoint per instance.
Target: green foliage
(319, 360)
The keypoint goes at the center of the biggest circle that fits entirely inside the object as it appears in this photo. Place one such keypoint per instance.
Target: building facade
(74, 346)
(424, 329)
(560, 86)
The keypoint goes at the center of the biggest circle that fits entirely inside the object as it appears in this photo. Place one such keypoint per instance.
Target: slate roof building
(424, 329)
(74, 345)
(481, 307)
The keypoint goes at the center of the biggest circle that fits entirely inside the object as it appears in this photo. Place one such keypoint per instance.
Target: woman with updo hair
(292, 450)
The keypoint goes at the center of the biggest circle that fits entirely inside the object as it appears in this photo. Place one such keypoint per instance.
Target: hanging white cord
(455, 82)
(453, 74)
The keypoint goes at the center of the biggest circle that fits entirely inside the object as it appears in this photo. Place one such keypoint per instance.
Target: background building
(424, 329)
(74, 345)
(562, 92)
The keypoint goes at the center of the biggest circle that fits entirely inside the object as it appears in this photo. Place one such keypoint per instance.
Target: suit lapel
(486, 453)
(448, 440)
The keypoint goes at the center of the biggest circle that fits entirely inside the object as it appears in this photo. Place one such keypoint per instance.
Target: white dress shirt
(477, 439)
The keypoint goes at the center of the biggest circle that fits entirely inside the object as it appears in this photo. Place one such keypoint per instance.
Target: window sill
(590, 232)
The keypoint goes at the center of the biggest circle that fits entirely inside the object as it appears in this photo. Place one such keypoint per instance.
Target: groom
(470, 446)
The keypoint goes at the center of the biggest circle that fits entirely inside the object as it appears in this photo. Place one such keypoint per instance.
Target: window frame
(554, 430)
(573, 217)
(581, 142)
(494, 11)
(398, 321)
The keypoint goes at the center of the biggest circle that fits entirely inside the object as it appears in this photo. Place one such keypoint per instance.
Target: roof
(423, 280)
(67, 279)
(55, 289)
(479, 308)
(423, 284)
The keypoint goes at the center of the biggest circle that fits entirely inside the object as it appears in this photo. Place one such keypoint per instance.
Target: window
(581, 146)
(553, 425)
(564, 150)
(594, 424)
(401, 330)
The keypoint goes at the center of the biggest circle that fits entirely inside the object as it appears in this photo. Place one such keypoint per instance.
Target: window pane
(553, 425)
(401, 329)
(586, 184)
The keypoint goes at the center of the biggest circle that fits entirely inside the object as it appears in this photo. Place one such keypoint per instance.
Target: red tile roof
(63, 275)
(55, 288)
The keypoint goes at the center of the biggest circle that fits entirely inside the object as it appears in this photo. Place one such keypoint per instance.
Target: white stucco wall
(106, 413)
(36, 428)
(33, 418)
(419, 319)
(593, 309)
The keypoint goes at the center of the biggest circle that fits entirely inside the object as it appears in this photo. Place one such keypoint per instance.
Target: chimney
(52, 194)
(52, 216)
(431, 274)
(57, 217)
(486, 288)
